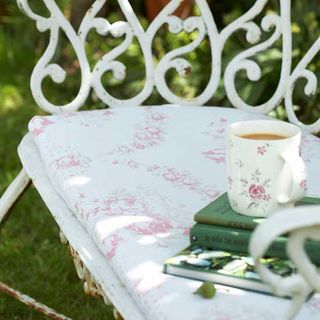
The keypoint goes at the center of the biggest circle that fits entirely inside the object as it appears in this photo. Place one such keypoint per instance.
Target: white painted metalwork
(304, 224)
(90, 285)
(282, 27)
(12, 193)
(32, 303)
(278, 25)
(301, 72)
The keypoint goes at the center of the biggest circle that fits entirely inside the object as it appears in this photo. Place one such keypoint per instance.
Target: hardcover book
(219, 212)
(224, 267)
(224, 238)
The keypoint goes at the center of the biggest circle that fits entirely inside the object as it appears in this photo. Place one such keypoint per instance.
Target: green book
(219, 212)
(226, 267)
(224, 238)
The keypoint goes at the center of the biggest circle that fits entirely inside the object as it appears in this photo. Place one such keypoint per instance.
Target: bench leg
(32, 303)
(13, 193)
(90, 285)
(9, 198)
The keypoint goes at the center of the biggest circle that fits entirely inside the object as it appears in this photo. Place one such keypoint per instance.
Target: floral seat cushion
(134, 177)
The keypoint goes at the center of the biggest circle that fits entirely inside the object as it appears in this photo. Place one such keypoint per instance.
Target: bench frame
(275, 25)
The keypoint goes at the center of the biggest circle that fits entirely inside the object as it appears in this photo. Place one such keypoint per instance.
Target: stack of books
(218, 250)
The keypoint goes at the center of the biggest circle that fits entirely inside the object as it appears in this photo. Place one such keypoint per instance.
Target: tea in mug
(263, 136)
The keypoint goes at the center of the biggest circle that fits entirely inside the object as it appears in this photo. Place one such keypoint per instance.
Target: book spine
(220, 213)
(222, 238)
(224, 222)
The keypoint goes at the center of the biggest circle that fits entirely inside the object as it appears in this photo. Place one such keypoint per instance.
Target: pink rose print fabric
(135, 177)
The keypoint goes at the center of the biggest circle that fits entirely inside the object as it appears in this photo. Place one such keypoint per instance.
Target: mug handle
(298, 174)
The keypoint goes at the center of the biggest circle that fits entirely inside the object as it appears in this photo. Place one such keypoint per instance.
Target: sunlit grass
(34, 261)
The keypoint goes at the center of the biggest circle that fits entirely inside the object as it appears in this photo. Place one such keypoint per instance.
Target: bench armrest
(300, 224)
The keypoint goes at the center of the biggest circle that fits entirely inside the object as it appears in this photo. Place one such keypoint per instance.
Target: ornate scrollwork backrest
(304, 225)
(278, 25)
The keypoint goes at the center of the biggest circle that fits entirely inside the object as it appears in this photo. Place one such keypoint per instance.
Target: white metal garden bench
(123, 183)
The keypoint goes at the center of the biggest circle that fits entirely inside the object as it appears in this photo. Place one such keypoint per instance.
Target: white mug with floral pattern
(264, 175)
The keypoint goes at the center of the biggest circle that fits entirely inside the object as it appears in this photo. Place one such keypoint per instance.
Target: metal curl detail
(310, 88)
(205, 25)
(44, 68)
(304, 225)
(282, 26)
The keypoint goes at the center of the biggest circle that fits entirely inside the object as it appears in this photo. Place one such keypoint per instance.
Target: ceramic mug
(264, 168)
